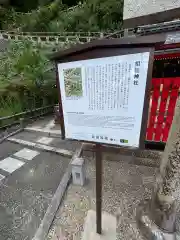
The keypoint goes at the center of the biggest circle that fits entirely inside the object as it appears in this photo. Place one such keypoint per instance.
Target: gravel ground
(125, 186)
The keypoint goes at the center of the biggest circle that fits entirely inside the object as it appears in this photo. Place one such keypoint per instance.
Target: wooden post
(98, 188)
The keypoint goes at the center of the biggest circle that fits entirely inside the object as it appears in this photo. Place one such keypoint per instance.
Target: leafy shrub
(25, 82)
(91, 16)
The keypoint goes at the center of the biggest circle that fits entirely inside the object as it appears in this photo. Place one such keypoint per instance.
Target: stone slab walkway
(37, 137)
(30, 172)
(29, 178)
(46, 127)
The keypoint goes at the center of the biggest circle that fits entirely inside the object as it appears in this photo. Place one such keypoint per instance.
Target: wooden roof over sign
(126, 42)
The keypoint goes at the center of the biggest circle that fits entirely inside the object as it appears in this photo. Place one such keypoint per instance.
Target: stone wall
(137, 8)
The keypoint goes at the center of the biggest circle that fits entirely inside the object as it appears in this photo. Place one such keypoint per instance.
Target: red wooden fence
(164, 94)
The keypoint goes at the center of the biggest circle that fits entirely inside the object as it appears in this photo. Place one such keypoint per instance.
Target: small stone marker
(78, 171)
(22, 123)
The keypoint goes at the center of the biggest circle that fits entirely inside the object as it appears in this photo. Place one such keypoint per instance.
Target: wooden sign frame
(100, 49)
(107, 53)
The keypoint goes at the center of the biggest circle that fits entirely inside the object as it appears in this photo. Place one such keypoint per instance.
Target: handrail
(26, 112)
(8, 121)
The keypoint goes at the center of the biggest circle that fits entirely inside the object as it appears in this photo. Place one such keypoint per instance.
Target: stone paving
(30, 175)
(125, 186)
(41, 123)
(46, 126)
(29, 178)
(51, 141)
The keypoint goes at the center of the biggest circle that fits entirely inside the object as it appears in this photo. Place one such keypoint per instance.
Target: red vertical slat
(156, 82)
(162, 108)
(171, 107)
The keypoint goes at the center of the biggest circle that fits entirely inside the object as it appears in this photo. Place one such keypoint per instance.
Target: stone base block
(108, 227)
(147, 226)
(168, 236)
(78, 171)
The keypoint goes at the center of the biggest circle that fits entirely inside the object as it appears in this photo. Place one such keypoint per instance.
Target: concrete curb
(44, 227)
(11, 134)
(47, 133)
(52, 209)
(43, 147)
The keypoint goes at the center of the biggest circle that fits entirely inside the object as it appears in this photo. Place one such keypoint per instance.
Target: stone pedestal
(22, 123)
(78, 171)
(162, 210)
(108, 227)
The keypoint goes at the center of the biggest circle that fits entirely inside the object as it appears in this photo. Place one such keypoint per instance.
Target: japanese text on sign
(103, 98)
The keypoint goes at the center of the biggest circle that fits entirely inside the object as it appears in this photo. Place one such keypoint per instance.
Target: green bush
(91, 16)
(20, 98)
(25, 82)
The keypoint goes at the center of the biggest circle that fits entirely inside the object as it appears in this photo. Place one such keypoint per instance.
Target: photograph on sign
(103, 98)
(73, 82)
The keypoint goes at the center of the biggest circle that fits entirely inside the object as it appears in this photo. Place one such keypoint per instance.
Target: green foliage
(25, 82)
(24, 6)
(24, 61)
(9, 106)
(36, 20)
(39, 19)
(91, 16)
(8, 18)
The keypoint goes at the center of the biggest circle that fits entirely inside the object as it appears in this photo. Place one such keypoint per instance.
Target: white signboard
(103, 98)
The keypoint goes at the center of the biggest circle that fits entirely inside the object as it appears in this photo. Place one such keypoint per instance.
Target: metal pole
(98, 188)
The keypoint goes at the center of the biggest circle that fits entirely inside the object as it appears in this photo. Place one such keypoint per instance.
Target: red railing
(164, 94)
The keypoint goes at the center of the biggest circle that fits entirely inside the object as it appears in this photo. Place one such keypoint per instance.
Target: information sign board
(103, 98)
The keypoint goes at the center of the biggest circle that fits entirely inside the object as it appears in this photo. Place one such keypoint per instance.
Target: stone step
(50, 144)
(45, 132)
(45, 127)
